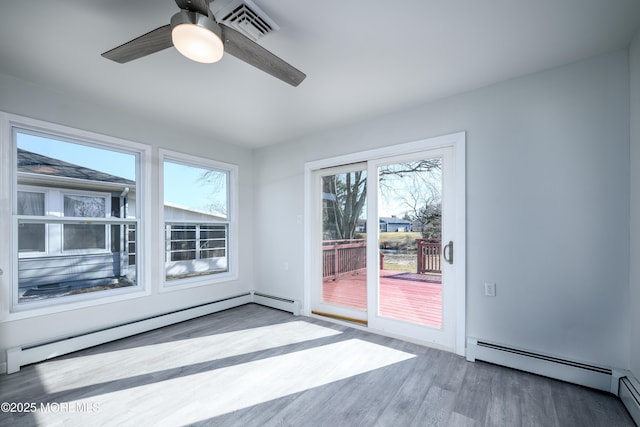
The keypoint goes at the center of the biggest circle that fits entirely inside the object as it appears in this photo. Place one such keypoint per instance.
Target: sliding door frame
(457, 141)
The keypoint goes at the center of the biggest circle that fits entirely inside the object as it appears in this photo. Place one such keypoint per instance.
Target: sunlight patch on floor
(205, 395)
(87, 370)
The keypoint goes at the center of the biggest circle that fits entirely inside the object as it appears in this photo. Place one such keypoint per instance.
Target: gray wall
(635, 206)
(20, 97)
(547, 205)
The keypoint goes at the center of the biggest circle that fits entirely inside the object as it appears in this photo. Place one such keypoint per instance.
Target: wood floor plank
(140, 381)
(410, 395)
(458, 420)
(504, 408)
(435, 409)
(475, 391)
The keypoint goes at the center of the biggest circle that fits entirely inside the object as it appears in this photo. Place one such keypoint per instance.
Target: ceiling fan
(197, 35)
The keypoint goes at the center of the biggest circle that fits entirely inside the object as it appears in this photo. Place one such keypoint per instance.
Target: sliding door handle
(449, 258)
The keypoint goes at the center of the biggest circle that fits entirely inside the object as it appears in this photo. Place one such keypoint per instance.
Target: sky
(111, 162)
(200, 194)
(203, 195)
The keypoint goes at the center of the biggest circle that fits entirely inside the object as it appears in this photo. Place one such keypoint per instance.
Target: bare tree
(218, 182)
(421, 195)
(344, 195)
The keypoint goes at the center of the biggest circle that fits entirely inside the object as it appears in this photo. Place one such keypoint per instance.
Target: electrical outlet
(489, 289)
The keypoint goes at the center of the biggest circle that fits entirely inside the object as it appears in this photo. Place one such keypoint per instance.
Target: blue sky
(183, 184)
(111, 162)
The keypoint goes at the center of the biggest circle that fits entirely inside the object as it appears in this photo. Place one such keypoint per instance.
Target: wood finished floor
(427, 387)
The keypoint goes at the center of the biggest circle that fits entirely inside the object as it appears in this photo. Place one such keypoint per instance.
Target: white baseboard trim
(598, 377)
(27, 354)
(285, 304)
(630, 395)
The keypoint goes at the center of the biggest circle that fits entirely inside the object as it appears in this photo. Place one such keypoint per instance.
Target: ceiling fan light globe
(197, 36)
(197, 43)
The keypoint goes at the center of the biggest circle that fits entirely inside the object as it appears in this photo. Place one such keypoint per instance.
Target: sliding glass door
(382, 236)
(343, 208)
(412, 287)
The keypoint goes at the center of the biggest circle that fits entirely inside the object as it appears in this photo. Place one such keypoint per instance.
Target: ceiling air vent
(246, 17)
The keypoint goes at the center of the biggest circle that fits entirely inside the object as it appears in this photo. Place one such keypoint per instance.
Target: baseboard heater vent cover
(630, 396)
(588, 375)
(25, 355)
(284, 304)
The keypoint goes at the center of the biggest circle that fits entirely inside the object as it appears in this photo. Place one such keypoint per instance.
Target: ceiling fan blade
(243, 48)
(200, 6)
(152, 42)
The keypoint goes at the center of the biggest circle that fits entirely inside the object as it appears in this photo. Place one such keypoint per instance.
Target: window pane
(30, 203)
(194, 252)
(213, 254)
(192, 192)
(31, 237)
(131, 243)
(196, 211)
(64, 178)
(183, 256)
(84, 206)
(84, 236)
(182, 245)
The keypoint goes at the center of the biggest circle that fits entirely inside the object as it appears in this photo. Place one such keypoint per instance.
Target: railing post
(420, 254)
(335, 261)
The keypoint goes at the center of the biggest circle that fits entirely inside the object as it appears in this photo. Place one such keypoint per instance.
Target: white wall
(547, 205)
(635, 205)
(20, 97)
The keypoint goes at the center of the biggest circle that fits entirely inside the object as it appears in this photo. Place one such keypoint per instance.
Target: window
(31, 237)
(198, 218)
(75, 218)
(84, 236)
(190, 242)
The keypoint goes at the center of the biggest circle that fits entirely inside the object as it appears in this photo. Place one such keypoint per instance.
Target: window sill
(44, 308)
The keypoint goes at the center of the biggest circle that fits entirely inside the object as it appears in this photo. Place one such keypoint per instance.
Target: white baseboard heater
(285, 304)
(597, 377)
(630, 396)
(25, 355)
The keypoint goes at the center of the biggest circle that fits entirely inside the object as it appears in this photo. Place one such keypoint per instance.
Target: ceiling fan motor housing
(195, 18)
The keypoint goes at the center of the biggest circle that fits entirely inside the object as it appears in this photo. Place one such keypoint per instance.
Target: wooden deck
(410, 297)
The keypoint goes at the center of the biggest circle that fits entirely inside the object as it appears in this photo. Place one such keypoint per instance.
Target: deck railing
(340, 257)
(429, 256)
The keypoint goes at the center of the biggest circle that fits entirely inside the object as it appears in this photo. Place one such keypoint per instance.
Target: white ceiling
(363, 58)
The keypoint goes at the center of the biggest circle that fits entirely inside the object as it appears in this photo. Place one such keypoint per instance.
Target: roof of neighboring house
(169, 205)
(36, 163)
(394, 220)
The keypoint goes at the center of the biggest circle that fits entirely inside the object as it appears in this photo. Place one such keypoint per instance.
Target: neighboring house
(394, 224)
(196, 242)
(65, 239)
(77, 230)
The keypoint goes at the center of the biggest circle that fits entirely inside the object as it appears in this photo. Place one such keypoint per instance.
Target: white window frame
(231, 221)
(10, 309)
